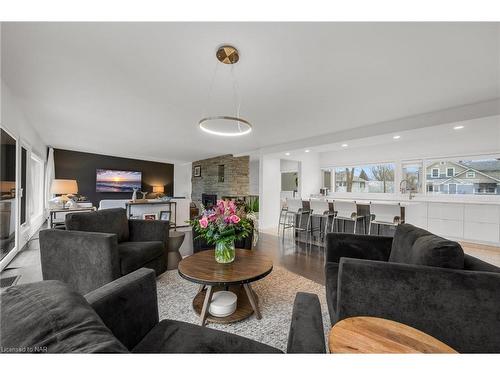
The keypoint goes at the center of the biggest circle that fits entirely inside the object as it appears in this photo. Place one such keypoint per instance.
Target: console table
(54, 211)
(170, 204)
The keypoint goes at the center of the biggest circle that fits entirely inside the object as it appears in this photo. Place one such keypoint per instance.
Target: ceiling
(139, 89)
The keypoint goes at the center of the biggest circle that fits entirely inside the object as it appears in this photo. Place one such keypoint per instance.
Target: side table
(175, 240)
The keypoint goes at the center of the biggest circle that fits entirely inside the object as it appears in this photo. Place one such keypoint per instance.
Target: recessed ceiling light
(307, 151)
(396, 137)
(345, 145)
(287, 153)
(458, 127)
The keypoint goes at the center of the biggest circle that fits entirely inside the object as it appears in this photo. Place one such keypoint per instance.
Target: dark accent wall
(81, 166)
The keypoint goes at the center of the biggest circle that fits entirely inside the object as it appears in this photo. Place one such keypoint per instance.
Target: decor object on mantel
(222, 225)
(229, 125)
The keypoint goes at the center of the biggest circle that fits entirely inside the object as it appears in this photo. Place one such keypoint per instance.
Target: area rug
(276, 295)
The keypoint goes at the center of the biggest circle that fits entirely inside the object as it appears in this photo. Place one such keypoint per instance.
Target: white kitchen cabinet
(446, 211)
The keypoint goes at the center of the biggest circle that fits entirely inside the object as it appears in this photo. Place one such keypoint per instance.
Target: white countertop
(404, 201)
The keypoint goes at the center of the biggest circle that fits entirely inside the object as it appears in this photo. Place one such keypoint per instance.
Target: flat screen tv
(113, 181)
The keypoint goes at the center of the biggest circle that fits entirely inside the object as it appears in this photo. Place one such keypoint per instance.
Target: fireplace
(208, 200)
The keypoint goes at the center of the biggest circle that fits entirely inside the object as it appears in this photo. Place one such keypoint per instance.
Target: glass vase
(224, 251)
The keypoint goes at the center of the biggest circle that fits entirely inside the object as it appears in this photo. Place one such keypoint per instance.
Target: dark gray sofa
(99, 247)
(122, 317)
(418, 279)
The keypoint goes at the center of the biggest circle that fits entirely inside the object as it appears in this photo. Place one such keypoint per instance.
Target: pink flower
(203, 222)
(234, 219)
(212, 217)
(232, 207)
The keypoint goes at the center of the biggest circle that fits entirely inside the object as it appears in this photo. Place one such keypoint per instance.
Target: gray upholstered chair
(99, 247)
(122, 317)
(418, 279)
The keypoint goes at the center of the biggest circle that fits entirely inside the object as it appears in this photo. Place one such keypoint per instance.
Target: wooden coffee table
(365, 334)
(247, 267)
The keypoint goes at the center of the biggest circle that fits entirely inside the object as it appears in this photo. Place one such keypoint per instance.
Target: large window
(412, 177)
(327, 178)
(372, 178)
(289, 181)
(478, 177)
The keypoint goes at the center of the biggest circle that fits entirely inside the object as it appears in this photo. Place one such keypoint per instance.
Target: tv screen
(112, 181)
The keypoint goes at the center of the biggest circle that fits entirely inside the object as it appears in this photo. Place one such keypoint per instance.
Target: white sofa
(112, 203)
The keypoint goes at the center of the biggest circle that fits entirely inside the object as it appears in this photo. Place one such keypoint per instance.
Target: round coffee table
(247, 267)
(365, 334)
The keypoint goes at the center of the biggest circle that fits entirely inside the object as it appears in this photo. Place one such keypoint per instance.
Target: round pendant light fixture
(226, 125)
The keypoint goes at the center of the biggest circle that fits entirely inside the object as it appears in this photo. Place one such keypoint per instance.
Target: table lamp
(63, 187)
(158, 190)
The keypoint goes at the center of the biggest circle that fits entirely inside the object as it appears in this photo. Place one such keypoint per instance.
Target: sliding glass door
(8, 146)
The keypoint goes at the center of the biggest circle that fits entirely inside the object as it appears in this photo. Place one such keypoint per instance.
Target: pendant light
(227, 125)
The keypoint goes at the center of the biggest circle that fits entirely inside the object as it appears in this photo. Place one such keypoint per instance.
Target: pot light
(307, 151)
(458, 127)
(287, 153)
(344, 145)
(396, 137)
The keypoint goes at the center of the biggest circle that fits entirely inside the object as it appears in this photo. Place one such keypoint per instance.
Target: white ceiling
(140, 88)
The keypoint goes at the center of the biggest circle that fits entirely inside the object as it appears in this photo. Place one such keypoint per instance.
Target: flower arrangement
(221, 225)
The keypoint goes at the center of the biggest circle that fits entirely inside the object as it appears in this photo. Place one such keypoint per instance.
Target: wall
(307, 164)
(254, 177)
(82, 167)
(13, 119)
(269, 192)
(15, 122)
(236, 177)
(182, 180)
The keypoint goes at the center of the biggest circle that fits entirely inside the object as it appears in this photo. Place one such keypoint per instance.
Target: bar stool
(384, 214)
(294, 208)
(319, 209)
(346, 211)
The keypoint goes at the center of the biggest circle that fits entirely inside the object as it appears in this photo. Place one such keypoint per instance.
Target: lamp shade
(158, 189)
(64, 187)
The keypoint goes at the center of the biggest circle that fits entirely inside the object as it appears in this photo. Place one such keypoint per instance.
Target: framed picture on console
(197, 171)
(149, 217)
(165, 215)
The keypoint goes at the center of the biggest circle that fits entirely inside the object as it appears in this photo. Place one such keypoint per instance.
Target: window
(475, 177)
(371, 178)
(435, 172)
(289, 181)
(412, 175)
(327, 178)
(220, 173)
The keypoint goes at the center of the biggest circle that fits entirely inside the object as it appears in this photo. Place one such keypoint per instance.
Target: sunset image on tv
(111, 181)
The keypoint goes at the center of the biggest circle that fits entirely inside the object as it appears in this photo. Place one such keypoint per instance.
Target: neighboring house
(468, 177)
(358, 183)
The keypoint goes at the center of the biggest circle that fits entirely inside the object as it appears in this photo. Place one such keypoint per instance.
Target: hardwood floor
(295, 256)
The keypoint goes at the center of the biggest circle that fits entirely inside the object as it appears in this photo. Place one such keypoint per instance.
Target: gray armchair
(99, 247)
(122, 317)
(418, 279)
